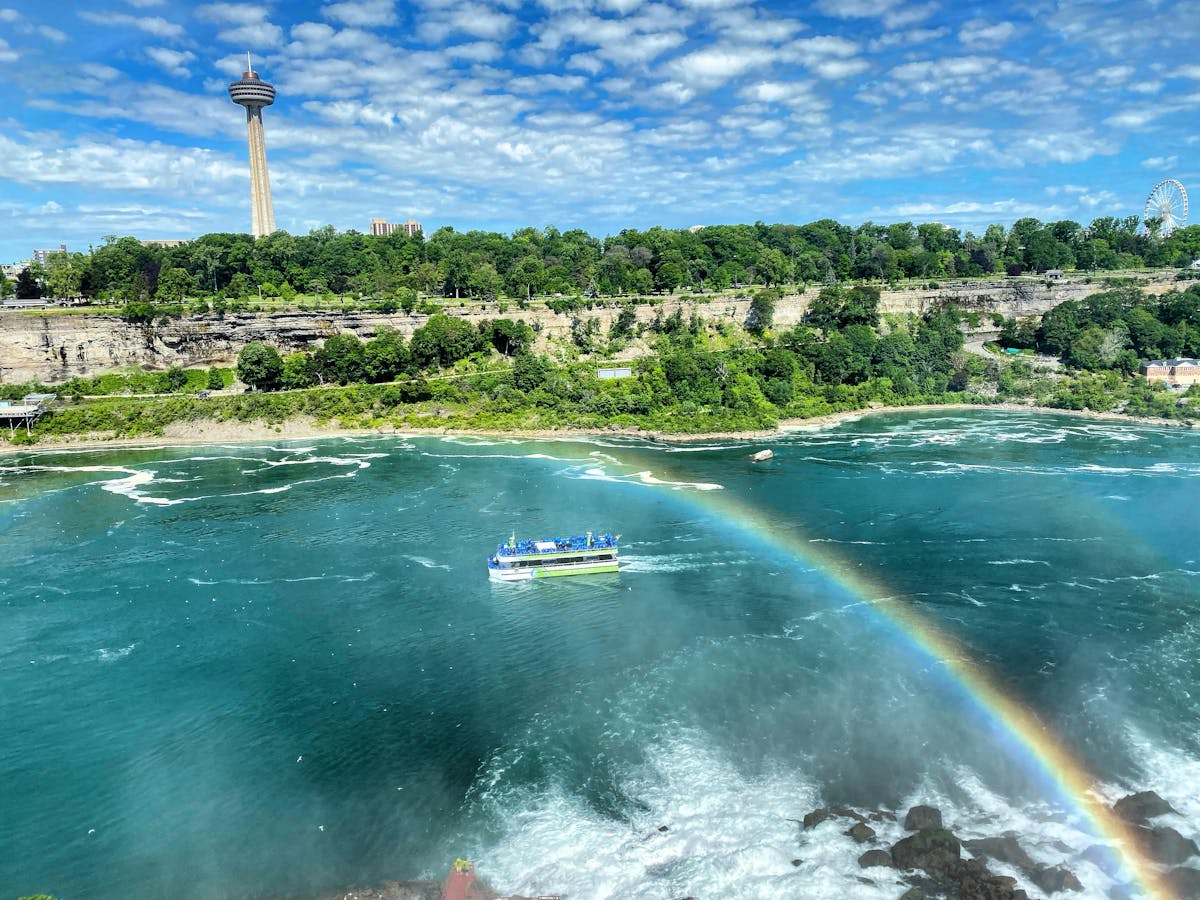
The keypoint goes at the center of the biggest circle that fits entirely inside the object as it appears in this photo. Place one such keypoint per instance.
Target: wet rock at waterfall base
(1053, 879)
(817, 816)
(861, 833)
(1003, 849)
(1140, 807)
(1185, 881)
(1166, 845)
(873, 858)
(922, 817)
(929, 849)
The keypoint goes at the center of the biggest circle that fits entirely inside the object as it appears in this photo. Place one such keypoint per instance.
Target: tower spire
(249, 68)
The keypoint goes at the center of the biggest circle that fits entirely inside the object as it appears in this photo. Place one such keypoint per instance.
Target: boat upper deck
(574, 544)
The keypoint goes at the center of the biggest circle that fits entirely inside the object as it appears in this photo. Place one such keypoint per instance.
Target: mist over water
(247, 670)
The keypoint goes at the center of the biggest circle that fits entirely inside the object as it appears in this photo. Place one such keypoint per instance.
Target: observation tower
(254, 93)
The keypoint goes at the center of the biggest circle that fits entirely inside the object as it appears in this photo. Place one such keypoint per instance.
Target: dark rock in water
(882, 816)
(817, 816)
(930, 849)
(861, 833)
(863, 880)
(796, 862)
(1185, 881)
(875, 858)
(663, 828)
(969, 879)
(1137, 808)
(1053, 879)
(914, 894)
(1002, 849)
(921, 817)
(1167, 845)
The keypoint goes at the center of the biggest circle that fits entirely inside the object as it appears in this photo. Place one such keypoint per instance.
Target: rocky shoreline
(929, 861)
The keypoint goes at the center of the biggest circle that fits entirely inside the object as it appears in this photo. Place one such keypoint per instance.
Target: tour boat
(587, 554)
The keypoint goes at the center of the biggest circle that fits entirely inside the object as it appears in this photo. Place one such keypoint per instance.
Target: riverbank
(186, 434)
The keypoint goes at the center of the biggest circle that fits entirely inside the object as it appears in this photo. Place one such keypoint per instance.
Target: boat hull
(553, 570)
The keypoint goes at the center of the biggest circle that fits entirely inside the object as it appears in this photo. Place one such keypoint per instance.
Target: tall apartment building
(382, 227)
(40, 256)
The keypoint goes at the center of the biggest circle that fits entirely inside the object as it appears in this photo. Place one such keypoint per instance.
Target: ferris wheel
(1168, 203)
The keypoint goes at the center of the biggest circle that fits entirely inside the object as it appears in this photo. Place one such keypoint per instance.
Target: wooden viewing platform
(24, 413)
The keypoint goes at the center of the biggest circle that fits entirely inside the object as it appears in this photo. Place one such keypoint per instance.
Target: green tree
(387, 355)
(174, 285)
(529, 371)
(216, 382)
(762, 311)
(443, 340)
(260, 367)
(299, 371)
(176, 379)
(27, 287)
(343, 359)
(510, 337)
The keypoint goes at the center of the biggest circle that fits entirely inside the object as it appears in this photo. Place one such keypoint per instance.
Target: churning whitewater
(245, 670)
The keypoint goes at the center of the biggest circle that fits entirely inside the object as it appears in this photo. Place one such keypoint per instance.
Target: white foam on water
(105, 654)
(646, 478)
(1168, 771)
(678, 562)
(728, 836)
(427, 563)
(838, 541)
(1018, 562)
(497, 456)
(467, 440)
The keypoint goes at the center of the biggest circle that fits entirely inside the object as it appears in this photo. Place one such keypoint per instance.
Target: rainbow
(1030, 741)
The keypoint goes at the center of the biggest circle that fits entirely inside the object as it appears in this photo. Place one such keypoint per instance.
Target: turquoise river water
(252, 670)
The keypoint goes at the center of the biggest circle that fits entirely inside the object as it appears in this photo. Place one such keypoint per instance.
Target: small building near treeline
(1180, 370)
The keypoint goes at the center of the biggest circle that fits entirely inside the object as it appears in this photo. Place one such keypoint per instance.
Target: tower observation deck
(254, 93)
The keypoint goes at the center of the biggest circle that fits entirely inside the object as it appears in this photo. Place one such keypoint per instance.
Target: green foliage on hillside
(1114, 329)
(564, 267)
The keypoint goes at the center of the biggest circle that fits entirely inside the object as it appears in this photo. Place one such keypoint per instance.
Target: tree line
(531, 261)
(1114, 329)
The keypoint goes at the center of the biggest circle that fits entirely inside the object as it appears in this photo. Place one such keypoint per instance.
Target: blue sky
(594, 114)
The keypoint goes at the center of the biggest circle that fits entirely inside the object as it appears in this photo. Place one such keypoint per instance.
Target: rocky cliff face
(53, 348)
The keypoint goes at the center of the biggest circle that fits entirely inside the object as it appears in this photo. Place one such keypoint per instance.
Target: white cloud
(231, 13)
(539, 84)
(893, 13)
(979, 34)
(465, 18)
(910, 38)
(713, 66)
(251, 26)
(155, 25)
(260, 34)
(362, 12)
(9, 15)
(173, 62)
(1160, 162)
(479, 51)
(7, 54)
(1188, 71)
